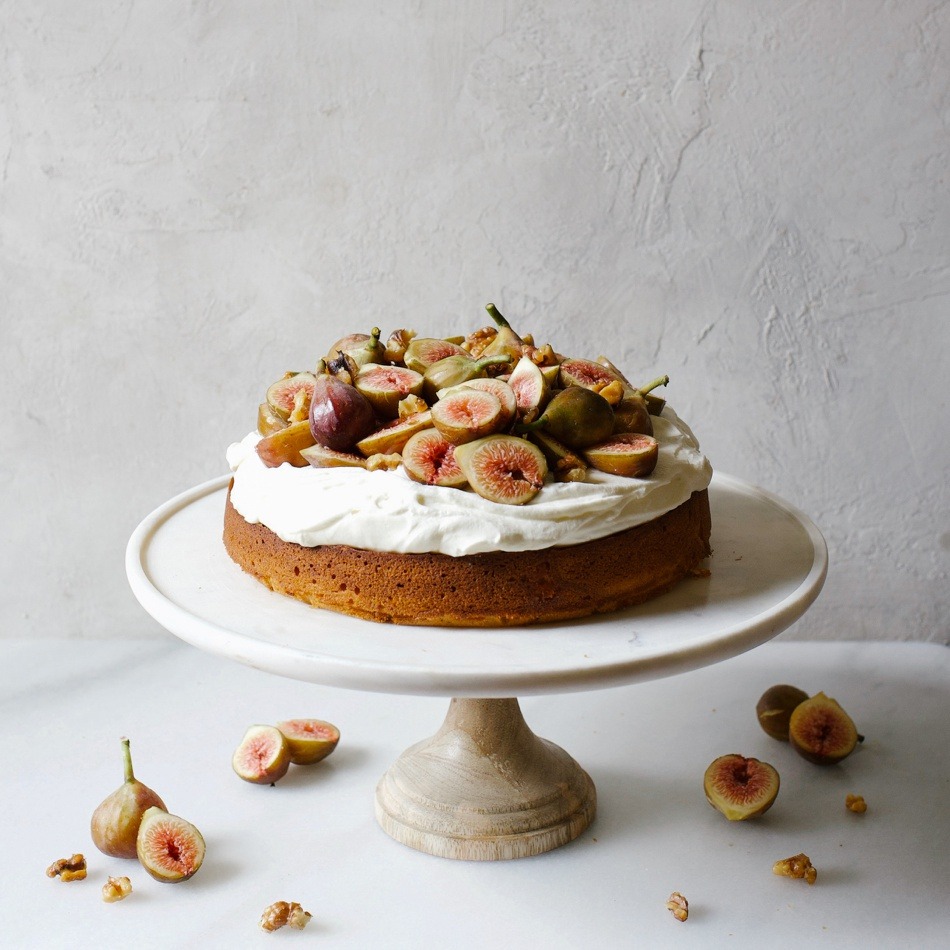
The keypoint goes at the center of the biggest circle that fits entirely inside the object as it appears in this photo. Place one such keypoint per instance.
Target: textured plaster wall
(751, 196)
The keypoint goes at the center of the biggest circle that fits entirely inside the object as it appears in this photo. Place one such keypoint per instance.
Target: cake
(478, 481)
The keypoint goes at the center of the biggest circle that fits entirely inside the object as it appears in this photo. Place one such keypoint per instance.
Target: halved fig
(393, 436)
(168, 847)
(263, 755)
(397, 343)
(740, 788)
(628, 453)
(429, 458)
(310, 740)
(775, 707)
(423, 351)
(281, 395)
(467, 414)
(503, 468)
(385, 386)
(530, 387)
(497, 387)
(821, 731)
(285, 445)
(586, 373)
(268, 419)
(319, 456)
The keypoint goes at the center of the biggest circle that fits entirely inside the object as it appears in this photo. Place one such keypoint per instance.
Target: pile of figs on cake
(490, 411)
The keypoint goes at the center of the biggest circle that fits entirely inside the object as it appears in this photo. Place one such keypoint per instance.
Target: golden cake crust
(480, 590)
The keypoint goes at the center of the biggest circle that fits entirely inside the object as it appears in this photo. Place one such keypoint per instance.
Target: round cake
(418, 515)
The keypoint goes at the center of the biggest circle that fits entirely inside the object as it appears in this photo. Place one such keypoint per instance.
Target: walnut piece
(411, 405)
(678, 906)
(116, 889)
(797, 866)
(856, 803)
(382, 462)
(68, 869)
(284, 913)
(477, 341)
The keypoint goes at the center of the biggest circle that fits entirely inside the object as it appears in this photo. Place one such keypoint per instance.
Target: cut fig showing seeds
(429, 458)
(775, 707)
(263, 756)
(467, 414)
(385, 386)
(500, 389)
(310, 740)
(630, 454)
(586, 373)
(423, 351)
(503, 468)
(393, 436)
(319, 456)
(530, 387)
(821, 731)
(281, 396)
(740, 788)
(168, 847)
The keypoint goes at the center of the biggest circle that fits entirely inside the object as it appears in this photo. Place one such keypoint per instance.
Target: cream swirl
(386, 511)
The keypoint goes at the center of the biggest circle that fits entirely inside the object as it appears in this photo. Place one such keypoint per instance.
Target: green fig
(115, 823)
(576, 416)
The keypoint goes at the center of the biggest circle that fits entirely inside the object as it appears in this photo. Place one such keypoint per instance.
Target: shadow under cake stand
(484, 787)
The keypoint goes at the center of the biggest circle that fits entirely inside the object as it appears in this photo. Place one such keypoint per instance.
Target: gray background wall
(751, 196)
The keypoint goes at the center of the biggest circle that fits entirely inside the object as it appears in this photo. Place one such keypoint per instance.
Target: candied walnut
(678, 906)
(116, 889)
(540, 355)
(301, 408)
(612, 391)
(284, 914)
(386, 463)
(476, 342)
(411, 405)
(856, 803)
(68, 869)
(396, 345)
(797, 866)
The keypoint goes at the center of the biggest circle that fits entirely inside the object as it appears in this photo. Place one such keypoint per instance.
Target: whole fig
(340, 415)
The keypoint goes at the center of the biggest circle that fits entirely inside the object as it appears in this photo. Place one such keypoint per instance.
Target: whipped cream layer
(386, 511)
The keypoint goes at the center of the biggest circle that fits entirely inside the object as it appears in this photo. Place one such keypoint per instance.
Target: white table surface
(884, 877)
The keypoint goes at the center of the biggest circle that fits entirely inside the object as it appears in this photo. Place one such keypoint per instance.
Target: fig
(563, 464)
(340, 415)
(586, 373)
(740, 788)
(281, 396)
(506, 341)
(467, 414)
(821, 731)
(393, 436)
(385, 386)
(362, 348)
(577, 417)
(268, 420)
(115, 822)
(628, 453)
(397, 344)
(319, 456)
(775, 707)
(454, 370)
(285, 445)
(632, 415)
(530, 387)
(498, 388)
(263, 755)
(503, 468)
(168, 847)
(310, 740)
(429, 458)
(423, 351)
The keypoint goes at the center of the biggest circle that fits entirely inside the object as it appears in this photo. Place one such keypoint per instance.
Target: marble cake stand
(484, 787)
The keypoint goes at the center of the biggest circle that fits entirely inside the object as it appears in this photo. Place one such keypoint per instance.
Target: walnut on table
(798, 866)
(68, 869)
(856, 803)
(678, 906)
(284, 913)
(116, 889)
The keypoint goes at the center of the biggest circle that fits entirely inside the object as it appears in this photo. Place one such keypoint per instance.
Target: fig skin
(576, 416)
(309, 740)
(775, 708)
(820, 731)
(740, 787)
(168, 847)
(340, 415)
(262, 757)
(115, 822)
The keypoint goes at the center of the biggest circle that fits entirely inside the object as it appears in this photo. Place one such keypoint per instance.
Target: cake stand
(484, 787)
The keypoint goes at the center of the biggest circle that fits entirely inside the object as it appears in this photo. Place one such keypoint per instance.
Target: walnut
(613, 391)
(797, 866)
(856, 803)
(282, 913)
(301, 408)
(386, 463)
(540, 355)
(678, 906)
(116, 889)
(68, 869)
(411, 405)
(476, 342)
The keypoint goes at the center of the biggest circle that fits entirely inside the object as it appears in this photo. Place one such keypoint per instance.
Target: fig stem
(374, 335)
(127, 760)
(495, 314)
(659, 381)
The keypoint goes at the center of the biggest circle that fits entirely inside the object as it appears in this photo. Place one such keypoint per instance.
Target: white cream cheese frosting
(386, 511)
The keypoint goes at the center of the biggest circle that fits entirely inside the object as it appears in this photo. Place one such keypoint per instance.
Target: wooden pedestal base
(485, 788)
